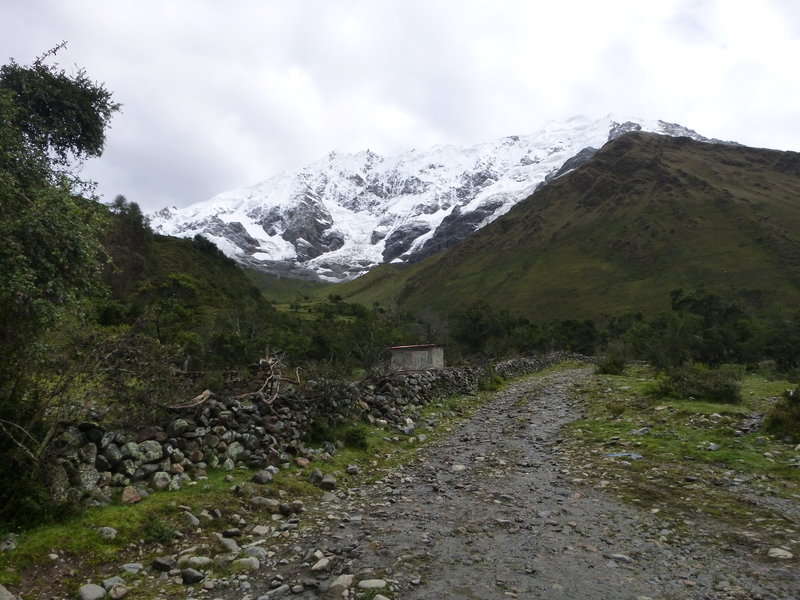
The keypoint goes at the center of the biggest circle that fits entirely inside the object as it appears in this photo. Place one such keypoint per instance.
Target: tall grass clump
(699, 382)
(783, 418)
(613, 361)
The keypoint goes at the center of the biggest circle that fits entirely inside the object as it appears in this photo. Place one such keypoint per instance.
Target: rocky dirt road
(491, 512)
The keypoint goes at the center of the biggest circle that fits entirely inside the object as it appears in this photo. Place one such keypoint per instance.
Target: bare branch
(52, 52)
(22, 446)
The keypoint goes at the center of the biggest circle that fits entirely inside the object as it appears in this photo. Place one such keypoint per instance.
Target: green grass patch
(697, 457)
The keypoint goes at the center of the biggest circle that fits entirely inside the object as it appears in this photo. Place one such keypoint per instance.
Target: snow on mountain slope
(342, 215)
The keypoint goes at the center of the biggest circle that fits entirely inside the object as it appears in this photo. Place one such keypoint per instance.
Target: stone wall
(225, 432)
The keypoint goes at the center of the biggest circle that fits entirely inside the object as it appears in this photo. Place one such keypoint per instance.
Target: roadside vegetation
(690, 456)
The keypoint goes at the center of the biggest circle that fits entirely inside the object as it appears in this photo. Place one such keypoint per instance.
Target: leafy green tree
(782, 342)
(371, 335)
(51, 254)
(128, 243)
(574, 335)
(475, 327)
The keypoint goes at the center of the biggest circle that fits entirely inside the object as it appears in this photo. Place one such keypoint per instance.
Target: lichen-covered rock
(130, 450)
(234, 450)
(112, 453)
(151, 451)
(178, 427)
(161, 480)
(88, 476)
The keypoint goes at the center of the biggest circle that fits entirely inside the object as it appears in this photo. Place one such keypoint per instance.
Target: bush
(783, 419)
(613, 362)
(156, 530)
(492, 382)
(319, 433)
(698, 382)
(212, 380)
(356, 438)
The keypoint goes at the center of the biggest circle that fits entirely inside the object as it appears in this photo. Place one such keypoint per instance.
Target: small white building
(417, 358)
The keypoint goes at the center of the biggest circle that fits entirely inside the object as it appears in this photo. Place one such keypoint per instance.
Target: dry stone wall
(93, 464)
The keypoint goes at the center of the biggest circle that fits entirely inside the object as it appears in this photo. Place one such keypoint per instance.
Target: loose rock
(91, 591)
(191, 576)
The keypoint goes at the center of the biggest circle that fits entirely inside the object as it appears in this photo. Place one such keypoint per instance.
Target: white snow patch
(369, 196)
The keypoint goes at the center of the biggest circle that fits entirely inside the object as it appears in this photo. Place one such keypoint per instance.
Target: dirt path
(492, 512)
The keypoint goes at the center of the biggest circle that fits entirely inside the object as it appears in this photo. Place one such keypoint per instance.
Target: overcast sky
(222, 94)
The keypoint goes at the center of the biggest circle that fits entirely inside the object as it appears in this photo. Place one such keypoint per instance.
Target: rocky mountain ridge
(340, 216)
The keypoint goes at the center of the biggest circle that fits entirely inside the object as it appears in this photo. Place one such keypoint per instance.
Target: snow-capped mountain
(342, 215)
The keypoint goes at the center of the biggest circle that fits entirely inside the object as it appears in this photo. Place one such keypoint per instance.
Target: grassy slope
(219, 279)
(383, 285)
(286, 289)
(649, 214)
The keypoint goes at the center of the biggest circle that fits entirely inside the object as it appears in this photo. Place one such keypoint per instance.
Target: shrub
(613, 362)
(212, 380)
(492, 382)
(698, 382)
(319, 433)
(355, 437)
(156, 530)
(783, 418)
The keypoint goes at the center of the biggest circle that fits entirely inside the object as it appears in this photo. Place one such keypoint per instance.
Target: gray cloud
(221, 95)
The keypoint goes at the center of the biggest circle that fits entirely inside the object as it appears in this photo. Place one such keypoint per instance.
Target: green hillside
(285, 289)
(648, 214)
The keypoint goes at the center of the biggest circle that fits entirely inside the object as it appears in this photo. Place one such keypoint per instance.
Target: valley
(200, 403)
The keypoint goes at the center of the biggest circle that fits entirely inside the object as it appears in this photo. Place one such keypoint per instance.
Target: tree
(128, 244)
(50, 122)
(475, 326)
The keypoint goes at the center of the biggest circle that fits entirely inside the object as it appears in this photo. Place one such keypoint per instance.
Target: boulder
(251, 563)
(5, 594)
(164, 563)
(130, 495)
(88, 476)
(262, 477)
(107, 533)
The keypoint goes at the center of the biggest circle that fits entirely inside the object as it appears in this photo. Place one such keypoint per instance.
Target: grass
(148, 522)
(695, 458)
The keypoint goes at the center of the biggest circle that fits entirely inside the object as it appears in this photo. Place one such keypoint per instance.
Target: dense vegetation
(51, 252)
(99, 317)
(102, 320)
